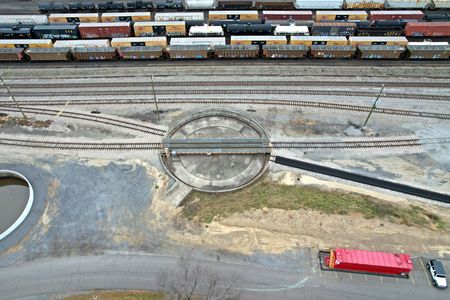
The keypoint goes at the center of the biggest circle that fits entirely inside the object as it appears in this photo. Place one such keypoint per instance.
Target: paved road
(124, 271)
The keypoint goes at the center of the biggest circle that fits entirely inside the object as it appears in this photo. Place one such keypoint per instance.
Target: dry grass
(118, 295)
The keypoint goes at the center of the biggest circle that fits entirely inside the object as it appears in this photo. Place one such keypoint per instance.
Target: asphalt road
(126, 271)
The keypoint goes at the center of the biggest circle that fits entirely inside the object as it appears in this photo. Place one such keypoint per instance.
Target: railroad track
(30, 85)
(88, 117)
(148, 92)
(9, 105)
(410, 142)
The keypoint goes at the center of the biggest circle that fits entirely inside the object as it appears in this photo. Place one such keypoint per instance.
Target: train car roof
(74, 15)
(378, 38)
(162, 23)
(338, 12)
(232, 12)
(319, 38)
(198, 41)
(30, 19)
(140, 39)
(259, 37)
(396, 12)
(82, 43)
(25, 41)
(111, 24)
(125, 14)
(287, 12)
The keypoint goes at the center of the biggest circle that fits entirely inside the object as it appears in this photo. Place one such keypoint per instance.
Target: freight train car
(56, 31)
(243, 15)
(380, 28)
(366, 4)
(74, 18)
(140, 52)
(396, 15)
(82, 43)
(206, 30)
(427, 29)
(139, 41)
(274, 4)
(314, 4)
(236, 51)
(319, 40)
(248, 29)
(188, 51)
(377, 40)
(169, 28)
(16, 31)
(334, 28)
(428, 50)
(436, 16)
(126, 17)
(234, 4)
(11, 54)
(408, 4)
(104, 30)
(291, 30)
(26, 43)
(340, 15)
(285, 51)
(209, 41)
(179, 16)
(199, 4)
(294, 15)
(49, 54)
(327, 51)
(441, 4)
(380, 51)
(88, 54)
(23, 19)
(258, 40)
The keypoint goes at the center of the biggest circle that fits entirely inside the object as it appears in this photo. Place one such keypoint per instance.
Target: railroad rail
(148, 92)
(88, 117)
(293, 103)
(394, 186)
(409, 142)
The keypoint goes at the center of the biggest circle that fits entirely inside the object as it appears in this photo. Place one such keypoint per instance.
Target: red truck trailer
(367, 262)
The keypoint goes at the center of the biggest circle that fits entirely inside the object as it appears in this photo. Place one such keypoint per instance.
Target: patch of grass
(206, 206)
(118, 295)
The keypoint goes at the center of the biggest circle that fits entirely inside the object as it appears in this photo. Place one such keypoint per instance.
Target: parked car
(438, 276)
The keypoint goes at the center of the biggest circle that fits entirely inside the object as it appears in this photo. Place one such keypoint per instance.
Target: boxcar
(396, 15)
(258, 40)
(326, 51)
(16, 31)
(48, 54)
(249, 29)
(441, 4)
(56, 31)
(236, 51)
(140, 52)
(188, 51)
(234, 4)
(380, 51)
(371, 4)
(209, 41)
(285, 51)
(408, 3)
(334, 28)
(95, 53)
(319, 40)
(11, 54)
(169, 28)
(274, 4)
(160, 41)
(104, 30)
(126, 17)
(340, 15)
(427, 50)
(314, 4)
(24, 19)
(287, 15)
(377, 40)
(74, 18)
(427, 29)
(26, 43)
(243, 15)
(291, 30)
(379, 28)
(199, 4)
(436, 16)
(206, 30)
(179, 16)
(82, 43)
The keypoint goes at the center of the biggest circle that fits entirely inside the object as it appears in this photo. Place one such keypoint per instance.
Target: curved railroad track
(88, 117)
(149, 93)
(10, 106)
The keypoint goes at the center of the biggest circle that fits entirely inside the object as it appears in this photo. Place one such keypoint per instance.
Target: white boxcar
(291, 30)
(407, 3)
(318, 4)
(24, 19)
(199, 4)
(364, 3)
(441, 3)
(206, 30)
(428, 43)
(180, 16)
(82, 43)
(209, 41)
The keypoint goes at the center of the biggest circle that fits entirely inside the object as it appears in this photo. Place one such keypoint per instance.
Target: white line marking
(425, 270)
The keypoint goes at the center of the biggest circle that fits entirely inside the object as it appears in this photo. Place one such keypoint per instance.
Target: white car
(438, 276)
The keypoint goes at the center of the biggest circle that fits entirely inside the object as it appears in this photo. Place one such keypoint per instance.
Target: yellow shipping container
(258, 40)
(171, 28)
(243, 15)
(74, 18)
(139, 41)
(378, 40)
(319, 40)
(33, 43)
(126, 17)
(340, 15)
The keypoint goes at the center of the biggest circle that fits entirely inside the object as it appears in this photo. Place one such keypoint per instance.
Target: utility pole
(363, 127)
(155, 100)
(11, 95)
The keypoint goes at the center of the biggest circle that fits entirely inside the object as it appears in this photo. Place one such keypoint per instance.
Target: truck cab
(437, 272)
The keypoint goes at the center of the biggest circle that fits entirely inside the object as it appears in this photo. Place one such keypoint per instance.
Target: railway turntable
(216, 150)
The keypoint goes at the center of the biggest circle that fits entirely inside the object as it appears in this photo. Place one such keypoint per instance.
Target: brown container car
(296, 15)
(98, 53)
(104, 30)
(274, 4)
(325, 51)
(380, 51)
(396, 15)
(427, 29)
(236, 51)
(141, 52)
(11, 54)
(285, 51)
(188, 51)
(49, 54)
(428, 51)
